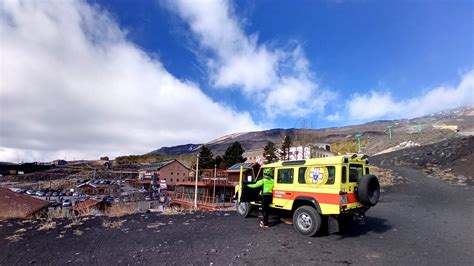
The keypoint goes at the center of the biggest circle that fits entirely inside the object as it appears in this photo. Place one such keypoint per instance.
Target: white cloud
(279, 77)
(72, 84)
(383, 105)
(334, 117)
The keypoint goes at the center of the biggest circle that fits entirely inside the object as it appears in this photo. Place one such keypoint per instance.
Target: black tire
(307, 220)
(368, 191)
(243, 209)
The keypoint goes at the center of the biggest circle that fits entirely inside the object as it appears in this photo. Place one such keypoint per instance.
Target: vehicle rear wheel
(307, 220)
(243, 208)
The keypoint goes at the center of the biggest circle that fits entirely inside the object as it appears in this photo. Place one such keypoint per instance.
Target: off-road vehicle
(314, 191)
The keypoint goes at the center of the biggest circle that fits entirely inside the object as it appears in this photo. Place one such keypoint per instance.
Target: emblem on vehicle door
(316, 175)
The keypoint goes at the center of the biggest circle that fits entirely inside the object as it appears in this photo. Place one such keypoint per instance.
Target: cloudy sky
(83, 79)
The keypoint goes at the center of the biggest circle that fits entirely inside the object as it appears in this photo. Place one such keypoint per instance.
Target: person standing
(267, 194)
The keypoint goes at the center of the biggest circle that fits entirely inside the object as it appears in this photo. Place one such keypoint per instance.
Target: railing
(206, 200)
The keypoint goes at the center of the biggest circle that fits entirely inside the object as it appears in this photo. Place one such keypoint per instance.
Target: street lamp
(196, 183)
(358, 137)
(215, 175)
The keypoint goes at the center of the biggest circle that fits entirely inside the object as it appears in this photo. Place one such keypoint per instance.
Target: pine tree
(206, 160)
(218, 161)
(285, 148)
(269, 152)
(233, 155)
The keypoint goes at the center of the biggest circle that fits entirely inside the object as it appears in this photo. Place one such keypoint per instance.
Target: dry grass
(113, 224)
(78, 232)
(176, 210)
(386, 177)
(58, 213)
(20, 231)
(84, 211)
(14, 238)
(118, 210)
(75, 221)
(17, 236)
(48, 225)
(154, 225)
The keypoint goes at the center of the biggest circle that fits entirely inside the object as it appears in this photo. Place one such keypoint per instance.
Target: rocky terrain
(451, 160)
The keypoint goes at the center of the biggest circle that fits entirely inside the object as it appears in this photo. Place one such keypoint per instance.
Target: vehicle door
(350, 175)
(246, 194)
(283, 188)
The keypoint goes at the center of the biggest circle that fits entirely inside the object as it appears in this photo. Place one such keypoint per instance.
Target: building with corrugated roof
(17, 205)
(169, 171)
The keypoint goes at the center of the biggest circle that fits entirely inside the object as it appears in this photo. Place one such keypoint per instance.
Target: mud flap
(333, 225)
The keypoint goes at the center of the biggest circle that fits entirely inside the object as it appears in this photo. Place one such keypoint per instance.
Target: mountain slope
(423, 130)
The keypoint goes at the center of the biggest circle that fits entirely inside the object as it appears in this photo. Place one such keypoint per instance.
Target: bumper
(355, 211)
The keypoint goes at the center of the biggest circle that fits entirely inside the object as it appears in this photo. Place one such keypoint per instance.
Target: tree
(218, 161)
(269, 152)
(233, 155)
(206, 158)
(285, 148)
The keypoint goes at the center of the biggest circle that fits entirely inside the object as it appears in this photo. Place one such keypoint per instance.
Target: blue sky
(405, 47)
(88, 78)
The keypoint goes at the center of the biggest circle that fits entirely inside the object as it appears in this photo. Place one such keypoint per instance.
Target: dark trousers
(266, 201)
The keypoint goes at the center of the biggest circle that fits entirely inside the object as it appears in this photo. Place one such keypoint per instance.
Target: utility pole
(215, 175)
(358, 137)
(196, 183)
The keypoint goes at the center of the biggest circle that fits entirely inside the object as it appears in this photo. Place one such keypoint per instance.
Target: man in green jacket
(267, 194)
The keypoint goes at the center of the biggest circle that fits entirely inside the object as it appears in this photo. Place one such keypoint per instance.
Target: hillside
(423, 130)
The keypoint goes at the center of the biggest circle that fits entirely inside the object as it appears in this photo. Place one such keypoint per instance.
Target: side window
(331, 175)
(285, 176)
(367, 171)
(301, 175)
(344, 174)
(260, 173)
(355, 172)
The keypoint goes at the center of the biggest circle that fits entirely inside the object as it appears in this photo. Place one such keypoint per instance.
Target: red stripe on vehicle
(352, 198)
(325, 198)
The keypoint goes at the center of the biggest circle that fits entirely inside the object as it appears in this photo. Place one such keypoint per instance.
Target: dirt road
(424, 221)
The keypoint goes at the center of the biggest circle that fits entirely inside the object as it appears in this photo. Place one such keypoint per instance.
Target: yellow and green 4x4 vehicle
(314, 191)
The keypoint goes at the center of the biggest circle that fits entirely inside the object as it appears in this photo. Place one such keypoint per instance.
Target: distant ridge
(419, 130)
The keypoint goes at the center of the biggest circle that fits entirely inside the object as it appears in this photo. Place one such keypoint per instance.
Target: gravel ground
(422, 221)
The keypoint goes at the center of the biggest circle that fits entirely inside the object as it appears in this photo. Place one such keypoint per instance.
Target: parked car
(30, 192)
(62, 194)
(108, 200)
(67, 203)
(126, 199)
(48, 194)
(54, 203)
(54, 194)
(148, 198)
(98, 197)
(117, 200)
(40, 193)
(75, 194)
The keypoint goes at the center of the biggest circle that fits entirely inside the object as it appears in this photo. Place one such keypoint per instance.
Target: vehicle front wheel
(307, 220)
(243, 208)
